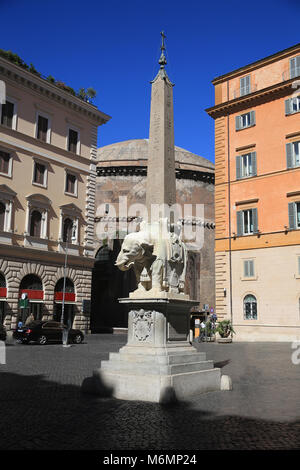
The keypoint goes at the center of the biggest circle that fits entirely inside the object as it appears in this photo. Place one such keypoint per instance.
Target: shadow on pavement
(39, 414)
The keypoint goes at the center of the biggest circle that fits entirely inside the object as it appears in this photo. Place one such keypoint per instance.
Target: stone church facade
(121, 173)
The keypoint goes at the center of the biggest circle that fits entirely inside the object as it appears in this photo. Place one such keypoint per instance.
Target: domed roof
(135, 152)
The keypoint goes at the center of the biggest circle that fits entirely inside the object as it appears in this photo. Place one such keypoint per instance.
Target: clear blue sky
(113, 46)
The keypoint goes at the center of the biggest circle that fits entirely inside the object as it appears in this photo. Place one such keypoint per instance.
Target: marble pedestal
(158, 363)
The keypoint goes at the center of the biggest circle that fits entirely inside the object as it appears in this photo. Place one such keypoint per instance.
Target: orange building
(257, 197)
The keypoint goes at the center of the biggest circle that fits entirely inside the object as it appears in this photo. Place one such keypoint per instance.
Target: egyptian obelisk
(158, 363)
(161, 183)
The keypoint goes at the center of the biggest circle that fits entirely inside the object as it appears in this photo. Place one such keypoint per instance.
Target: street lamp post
(66, 330)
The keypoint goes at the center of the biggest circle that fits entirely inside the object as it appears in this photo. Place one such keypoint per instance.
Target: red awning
(32, 294)
(69, 296)
(3, 291)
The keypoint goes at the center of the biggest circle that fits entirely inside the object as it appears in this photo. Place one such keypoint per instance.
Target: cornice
(142, 171)
(253, 99)
(257, 64)
(50, 91)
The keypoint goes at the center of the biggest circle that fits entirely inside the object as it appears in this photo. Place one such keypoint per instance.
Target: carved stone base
(158, 363)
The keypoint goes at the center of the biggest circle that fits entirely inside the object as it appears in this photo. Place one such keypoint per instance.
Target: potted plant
(225, 330)
(208, 333)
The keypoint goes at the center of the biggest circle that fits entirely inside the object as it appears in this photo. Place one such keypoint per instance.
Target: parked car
(43, 332)
(2, 333)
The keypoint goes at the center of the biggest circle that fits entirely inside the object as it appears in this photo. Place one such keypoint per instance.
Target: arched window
(31, 282)
(35, 224)
(68, 228)
(2, 215)
(250, 307)
(68, 288)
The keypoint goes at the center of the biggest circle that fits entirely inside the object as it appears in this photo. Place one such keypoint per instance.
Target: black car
(2, 333)
(43, 332)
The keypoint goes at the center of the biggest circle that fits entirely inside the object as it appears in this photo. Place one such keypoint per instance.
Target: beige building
(48, 155)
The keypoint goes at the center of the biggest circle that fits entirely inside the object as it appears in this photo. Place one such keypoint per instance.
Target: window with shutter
(292, 215)
(249, 268)
(245, 120)
(35, 224)
(7, 114)
(298, 215)
(252, 118)
(289, 155)
(2, 216)
(39, 173)
(254, 220)
(292, 105)
(4, 162)
(295, 67)
(70, 183)
(245, 85)
(238, 123)
(238, 167)
(68, 228)
(72, 141)
(246, 165)
(42, 128)
(247, 222)
(239, 223)
(293, 154)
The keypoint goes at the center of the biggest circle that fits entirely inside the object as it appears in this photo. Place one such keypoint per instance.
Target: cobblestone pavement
(41, 406)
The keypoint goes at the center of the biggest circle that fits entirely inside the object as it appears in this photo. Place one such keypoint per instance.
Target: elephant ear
(147, 248)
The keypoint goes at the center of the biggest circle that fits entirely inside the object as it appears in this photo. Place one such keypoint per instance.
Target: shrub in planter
(208, 333)
(225, 329)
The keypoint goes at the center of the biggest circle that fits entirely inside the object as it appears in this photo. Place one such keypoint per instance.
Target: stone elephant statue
(159, 263)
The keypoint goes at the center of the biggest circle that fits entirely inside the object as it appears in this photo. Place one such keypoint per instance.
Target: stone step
(164, 360)
(138, 368)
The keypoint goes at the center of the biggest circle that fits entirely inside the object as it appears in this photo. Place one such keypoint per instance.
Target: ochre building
(48, 155)
(257, 197)
(122, 173)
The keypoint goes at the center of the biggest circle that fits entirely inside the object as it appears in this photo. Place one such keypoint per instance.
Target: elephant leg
(157, 274)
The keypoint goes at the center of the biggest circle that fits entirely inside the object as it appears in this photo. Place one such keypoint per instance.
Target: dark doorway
(108, 285)
(2, 312)
(68, 314)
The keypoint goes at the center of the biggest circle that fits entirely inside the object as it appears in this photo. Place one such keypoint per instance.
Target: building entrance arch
(108, 285)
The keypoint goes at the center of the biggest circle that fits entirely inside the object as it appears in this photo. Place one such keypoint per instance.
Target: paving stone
(42, 407)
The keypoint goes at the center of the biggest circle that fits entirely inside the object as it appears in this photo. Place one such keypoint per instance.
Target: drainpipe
(229, 211)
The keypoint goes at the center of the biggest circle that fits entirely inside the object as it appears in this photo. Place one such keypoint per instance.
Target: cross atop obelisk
(161, 183)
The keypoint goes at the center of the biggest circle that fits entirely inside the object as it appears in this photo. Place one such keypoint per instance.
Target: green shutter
(252, 118)
(239, 223)
(292, 215)
(237, 123)
(238, 168)
(253, 164)
(254, 220)
(295, 67)
(288, 106)
(246, 268)
(289, 155)
(251, 268)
